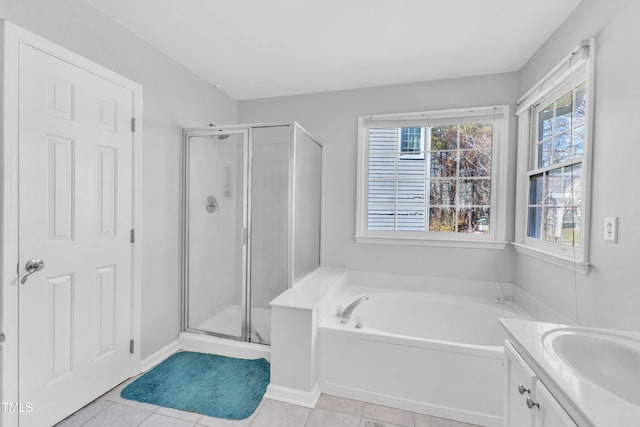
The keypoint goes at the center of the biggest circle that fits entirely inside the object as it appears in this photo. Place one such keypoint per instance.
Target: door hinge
(132, 236)
(131, 346)
(133, 124)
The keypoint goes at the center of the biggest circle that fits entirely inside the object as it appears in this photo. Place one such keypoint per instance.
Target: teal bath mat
(217, 386)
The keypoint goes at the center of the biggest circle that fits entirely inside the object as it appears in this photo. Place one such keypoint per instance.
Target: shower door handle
(245, 236)
(33, 266)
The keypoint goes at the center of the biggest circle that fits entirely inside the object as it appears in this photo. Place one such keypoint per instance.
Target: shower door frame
(246, 128)
(212, 131)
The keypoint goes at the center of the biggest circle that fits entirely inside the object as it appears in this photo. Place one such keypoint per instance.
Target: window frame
(576, 68)
(535, 170)
(495, 239)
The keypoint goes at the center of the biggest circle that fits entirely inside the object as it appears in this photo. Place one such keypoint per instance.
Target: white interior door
(75, 190)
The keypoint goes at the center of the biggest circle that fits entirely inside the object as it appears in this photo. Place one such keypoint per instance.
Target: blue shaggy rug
(217, 386)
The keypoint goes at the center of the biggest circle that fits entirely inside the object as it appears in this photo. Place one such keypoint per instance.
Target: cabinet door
(549, 413)
(520, 384)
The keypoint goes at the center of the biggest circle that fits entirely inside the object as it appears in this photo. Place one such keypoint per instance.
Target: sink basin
(610, 361)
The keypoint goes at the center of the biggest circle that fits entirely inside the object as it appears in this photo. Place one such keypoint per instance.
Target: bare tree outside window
(445, 186)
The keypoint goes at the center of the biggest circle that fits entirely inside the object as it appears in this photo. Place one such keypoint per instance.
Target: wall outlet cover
(611, 229)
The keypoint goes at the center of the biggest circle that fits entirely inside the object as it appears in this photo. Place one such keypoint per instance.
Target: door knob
(33, 265)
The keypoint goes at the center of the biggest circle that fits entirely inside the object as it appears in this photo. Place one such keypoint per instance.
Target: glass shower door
(215, 226)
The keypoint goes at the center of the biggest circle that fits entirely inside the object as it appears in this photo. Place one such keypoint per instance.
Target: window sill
(555, 259)
(442, 243)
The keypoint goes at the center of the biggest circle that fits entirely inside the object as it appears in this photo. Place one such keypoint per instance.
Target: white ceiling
(264, 48)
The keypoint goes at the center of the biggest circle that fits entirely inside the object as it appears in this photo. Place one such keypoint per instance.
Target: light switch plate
(611, 229)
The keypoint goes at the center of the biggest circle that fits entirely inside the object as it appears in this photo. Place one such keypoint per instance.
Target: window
(430, 176)
(555, 177)
(554, 121)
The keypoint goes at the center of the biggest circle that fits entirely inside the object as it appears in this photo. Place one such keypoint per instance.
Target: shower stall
(251, 224)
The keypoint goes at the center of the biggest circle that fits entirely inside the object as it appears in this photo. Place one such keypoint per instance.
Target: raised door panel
(107, 190)
(106, 309)
(61, 99)
(59, 322)
(61, 181)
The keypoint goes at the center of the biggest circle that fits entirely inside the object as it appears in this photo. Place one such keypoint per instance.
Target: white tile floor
(331, 411)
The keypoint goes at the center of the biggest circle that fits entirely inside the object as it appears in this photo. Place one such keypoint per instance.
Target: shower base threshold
(201, 343)
(229, 322)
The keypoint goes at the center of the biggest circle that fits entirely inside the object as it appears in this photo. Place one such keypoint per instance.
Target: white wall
(173, 98)
(610, 295)
(331, 117)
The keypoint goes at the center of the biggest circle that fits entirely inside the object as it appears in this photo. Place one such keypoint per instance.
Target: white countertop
(586, 402)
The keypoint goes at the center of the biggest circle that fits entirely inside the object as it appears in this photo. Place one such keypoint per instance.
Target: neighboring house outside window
(434, 181)
(412, 142)
(554, 163)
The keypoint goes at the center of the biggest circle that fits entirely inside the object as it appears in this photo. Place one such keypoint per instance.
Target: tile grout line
(149, 416)
(97, 413)
(178, 418)
(306, 421)
(257, 412)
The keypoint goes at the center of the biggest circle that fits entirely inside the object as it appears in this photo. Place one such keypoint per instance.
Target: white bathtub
(432, 353)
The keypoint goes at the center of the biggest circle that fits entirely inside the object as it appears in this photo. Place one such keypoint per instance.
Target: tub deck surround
(587, 403)
(421, 348)
(294, 329)
(426, 352)
(436, 285)
(311, 290)
(538, 309)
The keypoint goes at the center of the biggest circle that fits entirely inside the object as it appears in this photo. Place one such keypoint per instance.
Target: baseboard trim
(307, 399)
(158, 356)
(413, 406)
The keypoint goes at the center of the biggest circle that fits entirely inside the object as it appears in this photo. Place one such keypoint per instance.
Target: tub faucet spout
(345, 315)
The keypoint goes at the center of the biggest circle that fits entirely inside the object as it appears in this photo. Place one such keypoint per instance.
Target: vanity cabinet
(528, 403)
(548, 412)
(521, 381)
